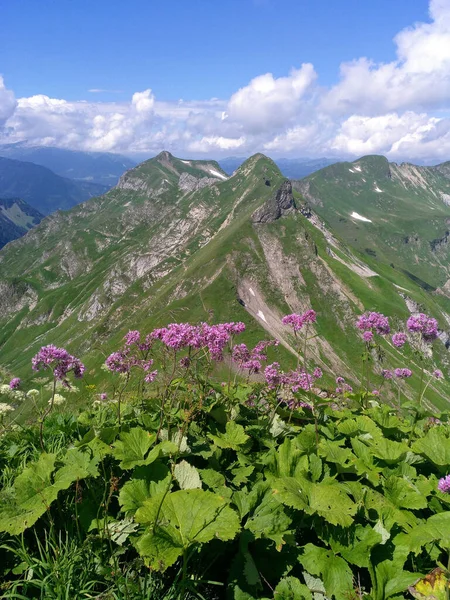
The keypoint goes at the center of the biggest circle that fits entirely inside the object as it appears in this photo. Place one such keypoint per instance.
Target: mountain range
(16, 218)
(104, 168)
(41, 188)
(180, 240)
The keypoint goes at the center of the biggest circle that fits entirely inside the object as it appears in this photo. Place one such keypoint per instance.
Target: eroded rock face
(280, 203)
(189, 183)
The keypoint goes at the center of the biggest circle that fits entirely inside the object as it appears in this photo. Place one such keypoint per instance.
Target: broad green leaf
(331, 502)
(77, 465)
(147, 481)
(241, 474)
(388, 450)
(33, 490)
(333, 452)
(358, 551)
(404, 494)
(287, 460)
(269, 520)
(315, 467)
(180, 519)
(233, 437)
(290, 588)
(327, 499)
(435, 446)
(212, 478)
(435, 529)
(292, 492)
(388, 512)
(187, 476)
(132, 447)
(333, 570)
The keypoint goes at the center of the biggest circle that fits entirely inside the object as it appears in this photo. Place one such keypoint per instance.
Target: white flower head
(5, 408)
(33, 393)
(57, 400)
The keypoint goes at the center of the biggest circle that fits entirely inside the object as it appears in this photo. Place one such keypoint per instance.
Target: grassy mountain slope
(104, 168)
(405, 207)
(16, 218)
(41, 188)
(179, 240)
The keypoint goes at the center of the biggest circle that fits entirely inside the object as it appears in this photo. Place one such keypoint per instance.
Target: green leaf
(435, 446)
(269, 520)
(292, 492)
(332, 452)
(403, 493)
(33, 491)
(77, 465)
(132, 447)
(388, 450)
(331, 502)
(287, 460)
(333, 570)
(187, 476)
(147, 481)
(181, 519)
(290, 588)
(327, 499)
(212, 478)
(241, 474)
(233, 437)
(435, 529)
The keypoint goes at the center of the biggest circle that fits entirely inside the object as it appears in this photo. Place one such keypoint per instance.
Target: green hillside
(179, 240)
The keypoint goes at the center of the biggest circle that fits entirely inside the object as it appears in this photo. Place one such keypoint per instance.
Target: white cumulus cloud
(399, 108)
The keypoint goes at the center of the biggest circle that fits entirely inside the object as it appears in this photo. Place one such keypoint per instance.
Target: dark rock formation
(280, 203)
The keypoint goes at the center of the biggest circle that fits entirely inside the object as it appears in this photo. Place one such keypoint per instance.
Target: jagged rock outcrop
(280, 203)
(189, 183)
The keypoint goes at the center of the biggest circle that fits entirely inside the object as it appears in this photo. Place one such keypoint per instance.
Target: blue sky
(188, 49)
(286, 77)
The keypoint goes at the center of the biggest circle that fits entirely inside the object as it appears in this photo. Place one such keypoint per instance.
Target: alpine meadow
(225, 322)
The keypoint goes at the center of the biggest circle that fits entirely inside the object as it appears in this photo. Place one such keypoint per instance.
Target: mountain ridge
(41, 188)
(155, 249)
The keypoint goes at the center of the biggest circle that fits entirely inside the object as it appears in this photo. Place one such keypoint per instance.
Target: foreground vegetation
(170, 484)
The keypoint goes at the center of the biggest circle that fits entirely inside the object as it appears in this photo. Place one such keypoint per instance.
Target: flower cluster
(293, 380)
(59, 361)
(214, 338)
(124, 361)
(437, 373)
(426, 326)
(374, 322)
(386, 374)
(444, 485)
(5, 408)
(342, 386)
(57, 400)
(14, 384)
(251, 360)
(399, 339)
(403, 373)
(297, 321)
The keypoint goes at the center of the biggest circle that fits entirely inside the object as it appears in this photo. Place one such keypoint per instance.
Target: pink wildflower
(444, 485)
(14, 384)
(399, 339)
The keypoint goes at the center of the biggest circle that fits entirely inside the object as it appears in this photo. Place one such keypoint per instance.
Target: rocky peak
(281, 202)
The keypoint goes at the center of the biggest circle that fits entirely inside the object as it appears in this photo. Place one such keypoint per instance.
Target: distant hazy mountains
(16, 218)
(41, 188)
(96, 167)
(293, 168)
